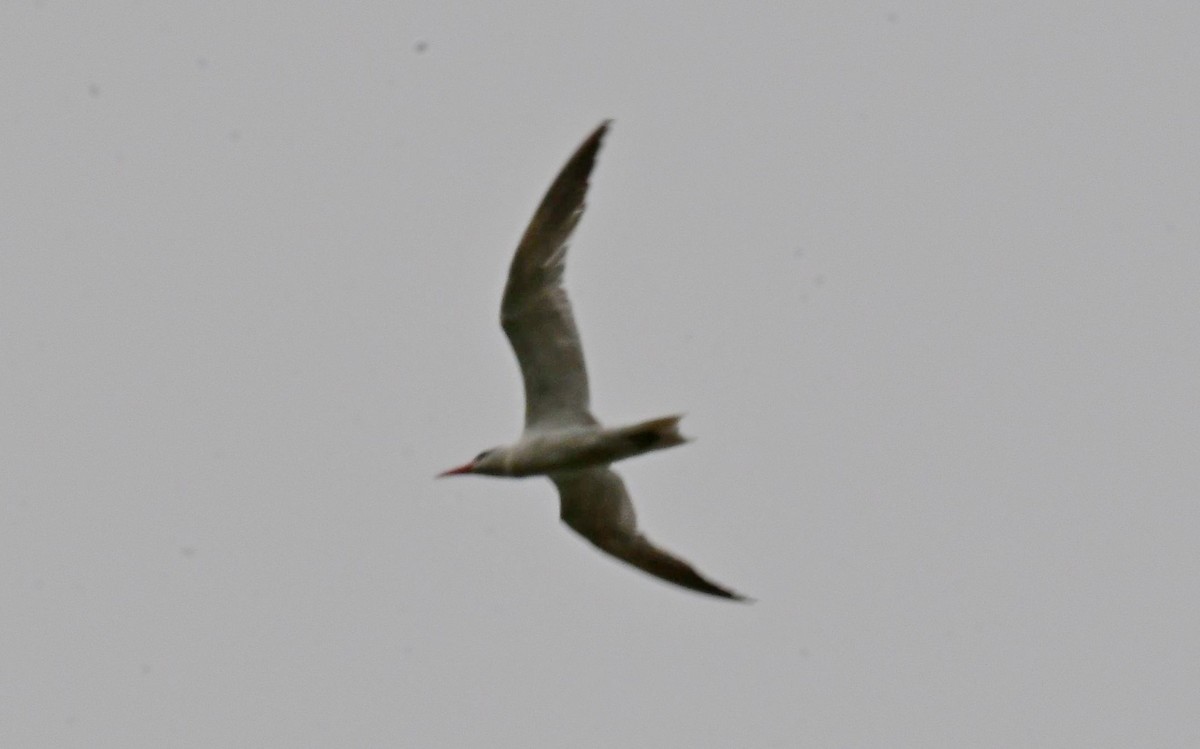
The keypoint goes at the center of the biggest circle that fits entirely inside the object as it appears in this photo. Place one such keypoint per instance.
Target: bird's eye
(482, 455)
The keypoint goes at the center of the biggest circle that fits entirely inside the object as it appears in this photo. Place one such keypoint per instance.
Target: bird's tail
(655, 434)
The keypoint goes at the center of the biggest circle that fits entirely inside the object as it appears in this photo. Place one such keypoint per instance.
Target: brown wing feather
(595, 504)
(535, 312)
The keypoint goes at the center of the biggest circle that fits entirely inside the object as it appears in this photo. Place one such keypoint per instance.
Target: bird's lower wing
(647, 557)
(595, 504)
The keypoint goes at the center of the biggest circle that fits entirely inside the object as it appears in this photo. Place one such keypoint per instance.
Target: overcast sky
(924, 277)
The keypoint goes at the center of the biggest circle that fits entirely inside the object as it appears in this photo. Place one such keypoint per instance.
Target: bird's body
(561, 439)
(553, 451)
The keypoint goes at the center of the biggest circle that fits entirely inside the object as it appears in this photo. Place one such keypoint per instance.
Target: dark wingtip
(701, 584)
(571, 184)
(593, 141)
(728, 594)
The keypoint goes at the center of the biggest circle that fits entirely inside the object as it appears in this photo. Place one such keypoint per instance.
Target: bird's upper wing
(595, 505)
(535, 312)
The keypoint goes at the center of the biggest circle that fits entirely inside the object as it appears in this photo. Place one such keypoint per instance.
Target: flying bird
(561, 439)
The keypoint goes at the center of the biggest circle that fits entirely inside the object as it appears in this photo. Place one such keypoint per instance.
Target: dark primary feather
(595, 504)
(535, 312)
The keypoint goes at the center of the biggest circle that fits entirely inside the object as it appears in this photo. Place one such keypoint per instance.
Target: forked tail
(655, 434)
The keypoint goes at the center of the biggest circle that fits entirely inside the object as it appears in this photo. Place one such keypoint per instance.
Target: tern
(561, 439)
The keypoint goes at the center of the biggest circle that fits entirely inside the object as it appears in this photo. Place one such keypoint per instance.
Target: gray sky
(923, 278)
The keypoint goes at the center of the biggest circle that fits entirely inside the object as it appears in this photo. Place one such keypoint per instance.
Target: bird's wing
(535, 312)
(595, 504)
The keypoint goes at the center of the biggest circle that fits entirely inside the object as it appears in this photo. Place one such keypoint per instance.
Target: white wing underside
(595, 504)
(535, 312)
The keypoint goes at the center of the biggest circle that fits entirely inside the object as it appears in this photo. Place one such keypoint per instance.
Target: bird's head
(489, 463)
